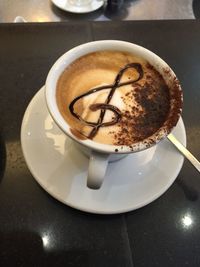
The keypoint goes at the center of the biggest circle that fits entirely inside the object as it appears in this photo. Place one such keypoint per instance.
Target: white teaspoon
(184, 151)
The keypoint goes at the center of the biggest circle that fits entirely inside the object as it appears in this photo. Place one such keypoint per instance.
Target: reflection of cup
(80, 3)
(100, 154)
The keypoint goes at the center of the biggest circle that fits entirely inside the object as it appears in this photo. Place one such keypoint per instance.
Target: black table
(151, 236)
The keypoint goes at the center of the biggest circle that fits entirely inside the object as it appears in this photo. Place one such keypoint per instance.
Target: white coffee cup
(100, 154)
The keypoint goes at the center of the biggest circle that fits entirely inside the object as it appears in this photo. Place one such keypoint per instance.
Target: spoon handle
(184, 151)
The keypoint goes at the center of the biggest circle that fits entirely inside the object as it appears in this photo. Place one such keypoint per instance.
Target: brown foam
(77, 134)
(145, 106)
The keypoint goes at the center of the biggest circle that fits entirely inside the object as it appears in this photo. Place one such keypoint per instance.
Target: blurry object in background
(79, 3)
(46, 11)
(114, 5)
(196, 8)
(78, 6)
(19, 19)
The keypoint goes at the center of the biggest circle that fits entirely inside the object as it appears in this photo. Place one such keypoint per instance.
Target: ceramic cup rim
(83, 49)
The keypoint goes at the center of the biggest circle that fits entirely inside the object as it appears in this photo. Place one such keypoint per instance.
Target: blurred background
(49, 10)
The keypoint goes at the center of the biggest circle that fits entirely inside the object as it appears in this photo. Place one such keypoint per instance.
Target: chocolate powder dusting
(152, 106)
(176, 97)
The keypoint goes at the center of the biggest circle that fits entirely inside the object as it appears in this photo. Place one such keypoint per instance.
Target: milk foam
(100, 97)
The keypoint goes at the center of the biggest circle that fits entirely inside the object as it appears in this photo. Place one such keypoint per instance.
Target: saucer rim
(91, 210)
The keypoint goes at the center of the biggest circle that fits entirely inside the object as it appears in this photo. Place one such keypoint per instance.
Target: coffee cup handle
(97, 168)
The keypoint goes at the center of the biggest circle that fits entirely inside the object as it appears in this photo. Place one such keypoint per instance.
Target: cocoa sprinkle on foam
(142, 120)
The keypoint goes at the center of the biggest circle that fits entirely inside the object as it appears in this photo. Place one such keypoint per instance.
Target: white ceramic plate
(61, 169)
(66, 6)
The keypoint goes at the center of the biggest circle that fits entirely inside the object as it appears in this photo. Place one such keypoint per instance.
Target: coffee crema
(116, 98)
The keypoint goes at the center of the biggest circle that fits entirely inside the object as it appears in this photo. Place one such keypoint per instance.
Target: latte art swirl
(106, 106)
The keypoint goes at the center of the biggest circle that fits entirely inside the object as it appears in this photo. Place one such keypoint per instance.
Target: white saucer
(66, 6)
(61, 169)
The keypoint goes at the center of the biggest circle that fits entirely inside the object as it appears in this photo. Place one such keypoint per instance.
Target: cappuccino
(116, 98)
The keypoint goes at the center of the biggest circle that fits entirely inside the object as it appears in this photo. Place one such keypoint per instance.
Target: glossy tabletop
(37, 230)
